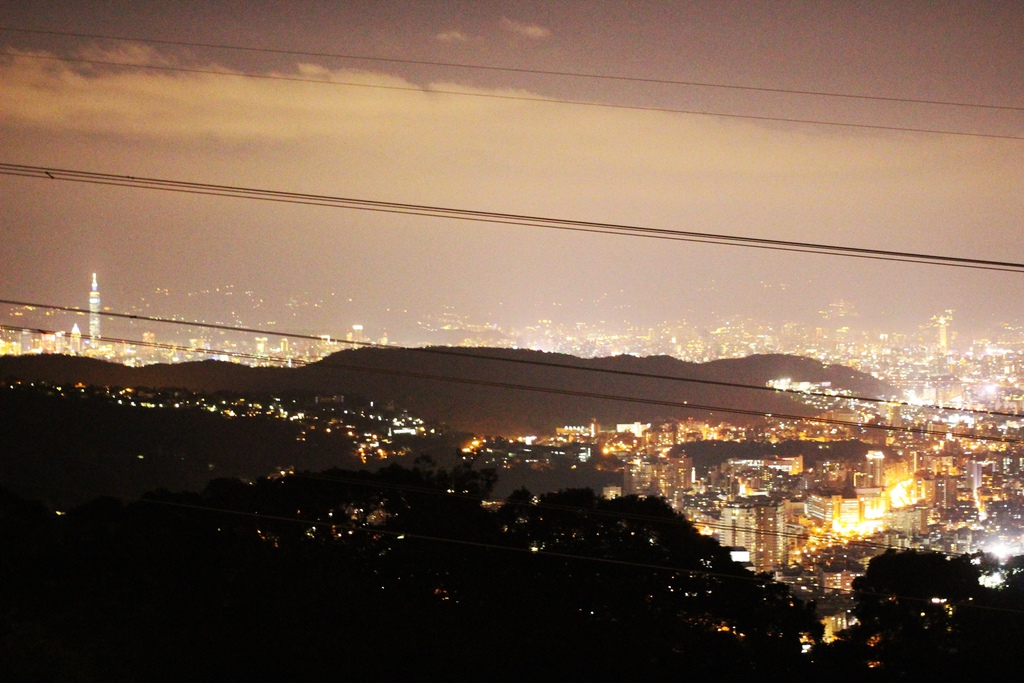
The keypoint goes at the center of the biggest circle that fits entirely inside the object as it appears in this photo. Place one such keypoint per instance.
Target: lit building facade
(759, 526)
(94, 311)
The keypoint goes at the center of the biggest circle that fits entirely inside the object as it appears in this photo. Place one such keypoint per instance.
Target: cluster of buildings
(815, 521)
(30, 332)
(811, 510)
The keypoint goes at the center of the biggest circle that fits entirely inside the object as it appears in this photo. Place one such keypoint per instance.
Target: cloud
(131, 53)
(532, 31)
(453, 36)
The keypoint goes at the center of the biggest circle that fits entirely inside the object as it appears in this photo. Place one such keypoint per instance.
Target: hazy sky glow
(941, 194)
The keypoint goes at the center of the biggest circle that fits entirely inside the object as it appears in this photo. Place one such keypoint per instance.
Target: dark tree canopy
(395, 573)
(924, 614)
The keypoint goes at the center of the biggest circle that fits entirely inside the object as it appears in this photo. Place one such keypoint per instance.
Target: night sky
(866, 187)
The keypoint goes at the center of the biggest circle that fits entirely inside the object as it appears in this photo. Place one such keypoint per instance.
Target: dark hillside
(415, 380)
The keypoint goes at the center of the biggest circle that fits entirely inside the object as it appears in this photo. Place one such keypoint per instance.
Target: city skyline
(839, 321)
(250, 308)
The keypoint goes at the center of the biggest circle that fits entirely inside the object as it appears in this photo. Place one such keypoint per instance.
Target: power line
(683, 405)
(443, 351)
(518, 98)
(459, 354)
(166, 346)
(398, 534)
(485, 357)
(522, 220)
(404, 535)
(827, 536)
(678, 520)
(516, 70)
(562, 508)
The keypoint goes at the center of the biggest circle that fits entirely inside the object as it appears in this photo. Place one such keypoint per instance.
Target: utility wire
(680, 520)
(826, 536)
(330, 477)
(403, 535)
(398, 534)
(442, 351)
(515, 70)
(832, 539)
(523, 221)
(330, 201)
(326, 477)
(167, 346)
(683, 405)
(518, 98)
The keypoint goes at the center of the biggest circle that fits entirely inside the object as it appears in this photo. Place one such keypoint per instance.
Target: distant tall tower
(94, 311)
(942, 322)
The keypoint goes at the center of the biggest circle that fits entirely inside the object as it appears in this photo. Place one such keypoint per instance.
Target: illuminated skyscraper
(94, 311)
(757, 525)
(942, 322)
(76, 340)
(876, 468)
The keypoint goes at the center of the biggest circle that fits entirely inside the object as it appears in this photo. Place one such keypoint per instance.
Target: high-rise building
(975, 474)
(76, 340)
(665, 477)
(942, 323)
(94, 311)
(876, 468)
(757, 525)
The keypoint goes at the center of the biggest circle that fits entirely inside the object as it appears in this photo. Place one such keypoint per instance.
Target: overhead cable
(399, 534)
(517, 98)
(473, 215)
(333, 363)
(828, 537)
(484, 356)
(514, 70)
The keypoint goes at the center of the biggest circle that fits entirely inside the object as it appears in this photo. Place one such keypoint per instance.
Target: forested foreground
(405, 573)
